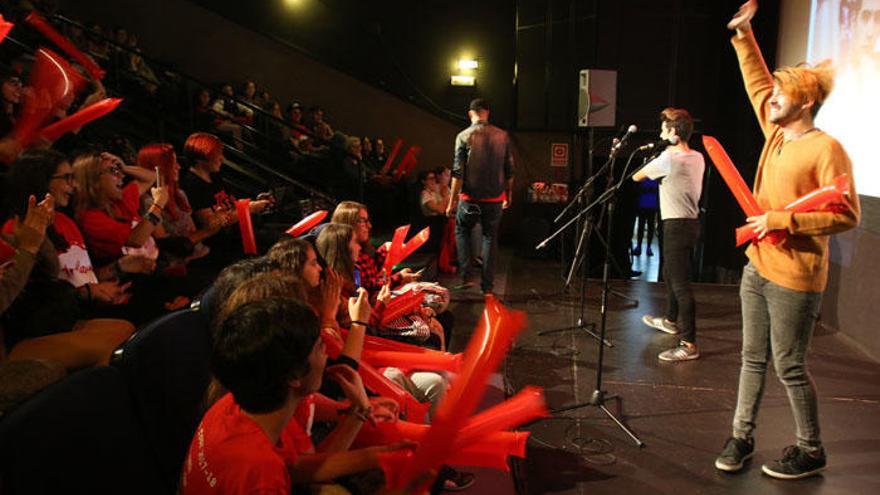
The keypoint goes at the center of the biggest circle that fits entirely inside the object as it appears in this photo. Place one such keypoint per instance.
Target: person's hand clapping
(31, 232)
(331, 289)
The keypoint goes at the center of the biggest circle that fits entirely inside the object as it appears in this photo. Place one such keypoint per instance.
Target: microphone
(663, 143)
(618, 143)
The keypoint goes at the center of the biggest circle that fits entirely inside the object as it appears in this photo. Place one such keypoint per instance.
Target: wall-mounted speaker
(597, 98)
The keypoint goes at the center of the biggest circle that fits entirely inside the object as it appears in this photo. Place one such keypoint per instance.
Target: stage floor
(682, 411)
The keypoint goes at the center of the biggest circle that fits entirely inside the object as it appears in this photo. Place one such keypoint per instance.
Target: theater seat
(166, 368)
(79, 435)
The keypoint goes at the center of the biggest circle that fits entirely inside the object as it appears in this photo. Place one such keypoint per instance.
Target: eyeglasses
(68, 177)
(361, 220)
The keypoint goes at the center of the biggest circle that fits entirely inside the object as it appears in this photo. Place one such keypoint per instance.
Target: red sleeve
(131, 201)
(104, 235)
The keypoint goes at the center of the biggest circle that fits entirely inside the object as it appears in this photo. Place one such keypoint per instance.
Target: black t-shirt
(211, 195)
(203, 194)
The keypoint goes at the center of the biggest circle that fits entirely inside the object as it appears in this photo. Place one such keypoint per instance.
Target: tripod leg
(622, 426)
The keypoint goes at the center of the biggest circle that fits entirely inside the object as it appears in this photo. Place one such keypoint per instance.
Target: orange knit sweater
(787, 171)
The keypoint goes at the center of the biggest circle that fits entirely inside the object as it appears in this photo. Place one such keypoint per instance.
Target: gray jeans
(778, 322)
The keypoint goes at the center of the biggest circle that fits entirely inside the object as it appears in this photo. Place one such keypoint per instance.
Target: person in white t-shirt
(680, 172)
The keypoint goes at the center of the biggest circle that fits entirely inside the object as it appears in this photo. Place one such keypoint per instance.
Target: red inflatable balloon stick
(5, 27)
(528, 405)
(407, 163)
(413, 244)
(732, 177)
(396, 248)
(307, 223)
(85, 115)
(435, 361)
(248, 241)
(379, 383)
(811, 201)
(391, 156)
(403, 304)
(40, 24)
(489, 344)
(53, 85)
(371, 342)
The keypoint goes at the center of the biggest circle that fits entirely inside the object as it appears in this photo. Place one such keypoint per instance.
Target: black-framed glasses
(68, 177)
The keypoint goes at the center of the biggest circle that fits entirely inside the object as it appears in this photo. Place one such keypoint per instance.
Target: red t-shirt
(231, 454)
(105, 234)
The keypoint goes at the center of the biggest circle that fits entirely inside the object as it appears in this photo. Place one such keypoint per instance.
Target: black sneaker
(736, 452)
(795, 464)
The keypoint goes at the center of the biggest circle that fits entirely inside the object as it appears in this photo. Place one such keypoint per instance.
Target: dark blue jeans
(488, 215)
(680, 236)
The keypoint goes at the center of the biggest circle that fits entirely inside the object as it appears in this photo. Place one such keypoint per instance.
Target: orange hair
(200, 146)
(804, 83)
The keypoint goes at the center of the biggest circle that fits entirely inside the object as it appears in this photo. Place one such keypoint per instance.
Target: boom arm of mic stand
(584, 188)
(611, 191)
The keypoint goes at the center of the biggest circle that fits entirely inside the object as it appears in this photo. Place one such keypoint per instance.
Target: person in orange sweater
(782, 285)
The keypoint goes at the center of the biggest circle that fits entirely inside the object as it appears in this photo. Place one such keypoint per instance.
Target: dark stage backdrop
(352, 56)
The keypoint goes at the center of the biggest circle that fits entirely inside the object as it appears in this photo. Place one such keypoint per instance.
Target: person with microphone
(680, 172)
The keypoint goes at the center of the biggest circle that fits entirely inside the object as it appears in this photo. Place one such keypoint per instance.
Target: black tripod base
(598, 399)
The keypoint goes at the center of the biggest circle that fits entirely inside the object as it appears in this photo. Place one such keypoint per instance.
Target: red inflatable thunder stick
(399, 250)
(489, 344)
(439, 361)
(407, 163)
(735, 183)
(85, 115)
(248, 241)
(731, 177)
(391, 156)
(396, 247)
(307, 223)
(5, 27)
(54, 85)
(40, 24)
(811, 201)
(379, 383)
(404, 304)
(482, 434)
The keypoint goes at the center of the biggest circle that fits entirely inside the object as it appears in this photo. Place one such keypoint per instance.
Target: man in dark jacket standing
(482, 180)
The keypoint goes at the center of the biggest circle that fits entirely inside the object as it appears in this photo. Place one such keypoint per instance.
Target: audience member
(208, 197)
(248, 440)
(108, 213)
(41, 317)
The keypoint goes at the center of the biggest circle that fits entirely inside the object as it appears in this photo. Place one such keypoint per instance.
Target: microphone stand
(580, 256)
(599, 396)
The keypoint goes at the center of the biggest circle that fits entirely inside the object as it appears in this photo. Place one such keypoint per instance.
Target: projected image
(848, 32)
